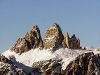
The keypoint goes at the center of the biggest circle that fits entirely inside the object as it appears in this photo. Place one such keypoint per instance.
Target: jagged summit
(72, 42)
(53, 37)
(31, 55)
(55, 55)
(29, 41)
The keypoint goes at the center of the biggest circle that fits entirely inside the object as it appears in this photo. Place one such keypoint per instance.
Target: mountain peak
(55, 55)
(29, 41)
(54, 38)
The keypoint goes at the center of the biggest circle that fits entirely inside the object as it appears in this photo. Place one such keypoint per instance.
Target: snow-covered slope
(12, 69)
(89, 48)
(32, 56)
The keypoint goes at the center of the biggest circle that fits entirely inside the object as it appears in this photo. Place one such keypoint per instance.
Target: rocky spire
(78, 43)
(53, 37)
(67, 39)
(35, 38)
(29, 41)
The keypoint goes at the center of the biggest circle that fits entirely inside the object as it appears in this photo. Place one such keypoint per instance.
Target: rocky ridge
(85, 64)
(29, 41)
(53, 39)
(7, 67)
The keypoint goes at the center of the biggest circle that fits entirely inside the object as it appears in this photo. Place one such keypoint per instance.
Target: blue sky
(81, 17)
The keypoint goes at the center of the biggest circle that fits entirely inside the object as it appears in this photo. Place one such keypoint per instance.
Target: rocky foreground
(55, 55)
(85, 64)
(69, 64)
(7, 67)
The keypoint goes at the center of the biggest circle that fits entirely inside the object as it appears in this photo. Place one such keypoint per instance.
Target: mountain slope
(55, 55)
(65, 56)
(7, 67)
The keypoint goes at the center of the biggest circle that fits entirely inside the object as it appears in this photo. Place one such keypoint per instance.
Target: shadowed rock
(85, 64)
(7, 67)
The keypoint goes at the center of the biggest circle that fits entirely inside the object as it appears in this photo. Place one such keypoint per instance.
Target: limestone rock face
(64, 45)
(34, 38)
(85, 64)
(20, 46)
(67, 39)
(73, 42)
(29, 41)
(53, 37)
(49, 67)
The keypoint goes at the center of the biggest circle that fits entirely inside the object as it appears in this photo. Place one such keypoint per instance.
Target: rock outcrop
(21, 45)
(73, 42)
(49, 67)
(64, 45)
(29, 41)
(34, 38)
(8, 68)
(53, 37)
(85, 64)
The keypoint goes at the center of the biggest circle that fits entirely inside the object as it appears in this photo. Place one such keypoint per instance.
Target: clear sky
(81, 17)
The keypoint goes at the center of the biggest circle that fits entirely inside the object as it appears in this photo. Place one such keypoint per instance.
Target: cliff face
(31, 55)
(53, 37)
(85, 64)
(72, 42)
(31, 40)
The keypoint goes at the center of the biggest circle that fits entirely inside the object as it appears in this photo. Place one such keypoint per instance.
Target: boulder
(53, 37)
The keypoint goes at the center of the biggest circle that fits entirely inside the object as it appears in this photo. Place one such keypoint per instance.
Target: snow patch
(50, 38)
(89, 48)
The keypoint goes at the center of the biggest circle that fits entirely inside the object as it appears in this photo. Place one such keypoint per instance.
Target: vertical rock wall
(53, 37)
(29, 41)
